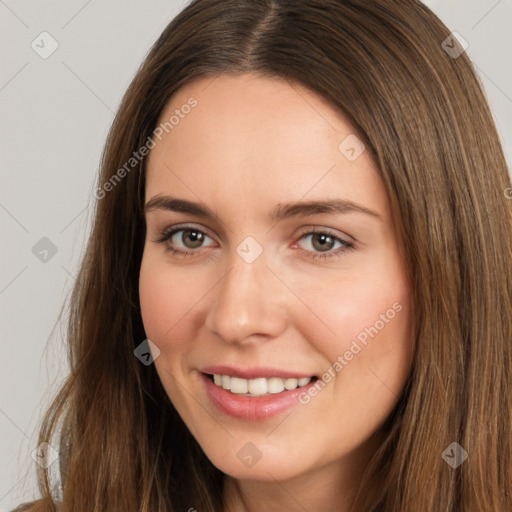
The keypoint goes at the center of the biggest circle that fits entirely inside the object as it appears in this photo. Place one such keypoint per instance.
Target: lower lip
(252, 408)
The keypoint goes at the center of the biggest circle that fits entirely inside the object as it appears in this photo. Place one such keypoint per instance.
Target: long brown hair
(422, 114)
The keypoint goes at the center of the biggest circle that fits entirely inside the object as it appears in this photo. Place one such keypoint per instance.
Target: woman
(297, 290)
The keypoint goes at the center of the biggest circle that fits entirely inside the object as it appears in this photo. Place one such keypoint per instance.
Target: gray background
(55, 115)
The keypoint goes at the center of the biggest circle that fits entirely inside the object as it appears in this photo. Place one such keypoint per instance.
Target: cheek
(369, 351)
(165, 299)
(366, 313)
(367, 355)
(155, 300)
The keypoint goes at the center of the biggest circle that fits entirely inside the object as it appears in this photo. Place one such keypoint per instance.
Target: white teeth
(226, 382)
(290, 383)
(238, 385)
(275, 385)
(258, 387)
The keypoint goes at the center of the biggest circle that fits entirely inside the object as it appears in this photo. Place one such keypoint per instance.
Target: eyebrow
(281, 211)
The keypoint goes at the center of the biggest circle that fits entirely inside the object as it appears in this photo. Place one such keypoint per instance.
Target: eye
(323, 244)
(184, 240)
(316, 244)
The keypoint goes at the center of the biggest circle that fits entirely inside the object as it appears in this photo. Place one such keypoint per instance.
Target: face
(271, 268)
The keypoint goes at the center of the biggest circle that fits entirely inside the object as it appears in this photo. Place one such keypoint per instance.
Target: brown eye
(185, 240)
(323, 245)
(191, 238)
(322, 242)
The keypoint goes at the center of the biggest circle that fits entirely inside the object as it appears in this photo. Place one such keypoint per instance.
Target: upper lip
(254, 372)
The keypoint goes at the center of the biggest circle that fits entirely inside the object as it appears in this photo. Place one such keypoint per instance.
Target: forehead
(258, 137)
(260, 108)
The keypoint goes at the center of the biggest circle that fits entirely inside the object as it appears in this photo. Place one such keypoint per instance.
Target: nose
(249, 304)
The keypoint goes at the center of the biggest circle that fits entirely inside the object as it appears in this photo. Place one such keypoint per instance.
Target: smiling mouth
(260, 386)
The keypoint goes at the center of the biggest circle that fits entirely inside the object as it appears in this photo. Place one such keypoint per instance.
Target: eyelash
(166, 235)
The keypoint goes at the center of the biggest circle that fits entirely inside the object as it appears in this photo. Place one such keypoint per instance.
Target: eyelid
(166, 233)
(303, 231)
(327, 231)
(346, 245)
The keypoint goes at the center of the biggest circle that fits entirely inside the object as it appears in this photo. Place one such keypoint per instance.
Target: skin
(250, 144)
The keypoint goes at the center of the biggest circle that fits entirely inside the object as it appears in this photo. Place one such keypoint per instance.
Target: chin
(248, 464)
